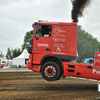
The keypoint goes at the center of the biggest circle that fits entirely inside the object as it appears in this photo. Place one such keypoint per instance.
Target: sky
(17, 17)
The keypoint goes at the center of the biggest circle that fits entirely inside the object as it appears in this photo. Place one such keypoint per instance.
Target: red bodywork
(62, 44)
(97, 58)
(81, 70)
(63, 41)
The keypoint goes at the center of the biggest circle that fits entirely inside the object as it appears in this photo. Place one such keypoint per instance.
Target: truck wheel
(50, 71)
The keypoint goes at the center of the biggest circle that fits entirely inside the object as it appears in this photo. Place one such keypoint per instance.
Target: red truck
(53, 46)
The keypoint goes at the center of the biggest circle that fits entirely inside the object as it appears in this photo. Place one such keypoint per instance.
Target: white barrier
(99, 86)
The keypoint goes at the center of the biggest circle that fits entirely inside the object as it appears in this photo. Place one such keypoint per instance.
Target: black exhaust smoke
(78, 8)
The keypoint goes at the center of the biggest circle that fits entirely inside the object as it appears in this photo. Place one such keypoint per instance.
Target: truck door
(58, 39)
(42, 39)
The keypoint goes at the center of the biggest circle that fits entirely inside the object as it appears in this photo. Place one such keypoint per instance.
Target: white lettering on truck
(58, 30)
(98, 55)
(43, 45)
(95, 71)
(58, 49)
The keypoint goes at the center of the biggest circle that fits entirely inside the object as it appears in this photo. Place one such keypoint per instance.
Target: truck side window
(45, 31)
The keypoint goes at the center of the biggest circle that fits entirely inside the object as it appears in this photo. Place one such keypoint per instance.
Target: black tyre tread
(57, 69)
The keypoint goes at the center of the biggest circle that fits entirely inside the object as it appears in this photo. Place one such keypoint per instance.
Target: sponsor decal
(98, 55)
(43, 45)
(97, 60)
(58, 49)
(58, 39)
(96, 70)
(58, 30)
(58, 45)
(58, 52)
(59, 35)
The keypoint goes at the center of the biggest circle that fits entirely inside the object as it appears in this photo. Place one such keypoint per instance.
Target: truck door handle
(47, 49)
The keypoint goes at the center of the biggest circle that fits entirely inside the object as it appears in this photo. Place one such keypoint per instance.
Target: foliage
(1, 55)
(87, 45)
(12, 53)
(99, 46)
(9, 54)
(27, 37)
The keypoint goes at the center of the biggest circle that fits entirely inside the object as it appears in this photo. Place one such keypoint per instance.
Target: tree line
(87, 45)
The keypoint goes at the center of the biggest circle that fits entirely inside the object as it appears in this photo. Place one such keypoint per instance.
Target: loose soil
(14, 74)
(39, 89)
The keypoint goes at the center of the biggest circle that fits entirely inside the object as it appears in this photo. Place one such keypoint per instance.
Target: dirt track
(14, 74)
(39, 89)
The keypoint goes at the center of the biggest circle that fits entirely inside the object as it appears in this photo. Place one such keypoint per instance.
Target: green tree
(9, 54)
(99, 46)
(87, 45)
(12, 53)
(16, 52)
(1, 55)
(27, 37)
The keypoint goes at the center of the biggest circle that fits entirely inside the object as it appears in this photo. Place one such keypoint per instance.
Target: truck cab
(52, 44)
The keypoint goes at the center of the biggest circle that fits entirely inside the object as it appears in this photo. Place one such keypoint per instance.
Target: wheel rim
(50, 71)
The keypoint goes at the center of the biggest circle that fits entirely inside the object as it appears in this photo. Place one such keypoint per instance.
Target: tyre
(60, 74)
(50, 71)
